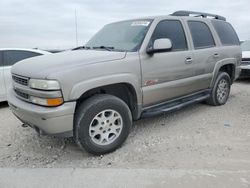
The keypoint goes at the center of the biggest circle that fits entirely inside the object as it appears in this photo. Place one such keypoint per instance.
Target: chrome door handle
(189, 60)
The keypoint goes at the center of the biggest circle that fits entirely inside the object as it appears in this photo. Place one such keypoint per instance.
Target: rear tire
(221, 90)
(102, 124)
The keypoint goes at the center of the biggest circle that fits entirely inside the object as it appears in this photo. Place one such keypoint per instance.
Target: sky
(50, 24)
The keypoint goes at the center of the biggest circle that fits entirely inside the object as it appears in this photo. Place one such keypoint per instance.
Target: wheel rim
(105, 127)
(222, 91)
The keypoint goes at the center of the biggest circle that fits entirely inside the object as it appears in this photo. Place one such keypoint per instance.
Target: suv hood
(42, 66)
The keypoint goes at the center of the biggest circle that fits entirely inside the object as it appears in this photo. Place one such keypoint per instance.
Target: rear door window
(201, 35)
(13, 56)
(226, 33)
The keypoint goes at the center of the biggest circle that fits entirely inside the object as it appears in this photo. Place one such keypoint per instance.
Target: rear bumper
(245, 71)
(52, 120)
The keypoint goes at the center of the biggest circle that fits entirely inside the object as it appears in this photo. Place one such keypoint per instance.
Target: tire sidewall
(222, 75)
(83, 124)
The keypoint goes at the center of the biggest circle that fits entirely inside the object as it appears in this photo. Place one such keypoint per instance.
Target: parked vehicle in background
(8, 57)
(245, 63)
(128, 70)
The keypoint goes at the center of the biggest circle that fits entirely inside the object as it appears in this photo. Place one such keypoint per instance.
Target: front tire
(102, 124)
(221, 90)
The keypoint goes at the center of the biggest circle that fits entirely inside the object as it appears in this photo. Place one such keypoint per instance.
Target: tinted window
(13, 56)
(201, 34)
(226, 33)
(1, 58)
(173, 30)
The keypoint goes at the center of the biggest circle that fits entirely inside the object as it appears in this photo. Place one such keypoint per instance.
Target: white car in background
(245, 63)
(8, 57)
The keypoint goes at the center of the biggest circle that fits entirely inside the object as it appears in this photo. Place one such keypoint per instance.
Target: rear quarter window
(226, 33)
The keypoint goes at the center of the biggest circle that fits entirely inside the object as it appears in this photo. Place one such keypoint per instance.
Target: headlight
(44, 84)
(46, 102)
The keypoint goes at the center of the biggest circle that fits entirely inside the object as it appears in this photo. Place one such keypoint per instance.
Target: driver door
(168, 75)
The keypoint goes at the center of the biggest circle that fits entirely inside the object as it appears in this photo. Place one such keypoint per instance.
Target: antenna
(76, 28)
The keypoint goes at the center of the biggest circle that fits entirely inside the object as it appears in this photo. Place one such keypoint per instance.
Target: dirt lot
(199, 137)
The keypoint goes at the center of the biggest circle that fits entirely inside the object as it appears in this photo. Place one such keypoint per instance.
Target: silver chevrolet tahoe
(129, 70)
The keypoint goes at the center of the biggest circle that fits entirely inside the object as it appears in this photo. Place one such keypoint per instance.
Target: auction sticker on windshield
(140, 23)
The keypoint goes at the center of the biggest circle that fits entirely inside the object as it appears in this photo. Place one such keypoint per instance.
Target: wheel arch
(124, 91)
(228, 66)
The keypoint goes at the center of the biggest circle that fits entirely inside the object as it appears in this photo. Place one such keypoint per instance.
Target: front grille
(245, 61)
(20, 80)
(22, 94)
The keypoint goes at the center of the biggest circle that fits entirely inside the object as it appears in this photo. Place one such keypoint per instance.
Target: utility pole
(76, 29)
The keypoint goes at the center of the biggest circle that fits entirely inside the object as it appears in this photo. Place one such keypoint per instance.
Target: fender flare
(219, 64)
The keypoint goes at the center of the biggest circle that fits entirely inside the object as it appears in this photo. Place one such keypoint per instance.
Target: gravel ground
(196, 137)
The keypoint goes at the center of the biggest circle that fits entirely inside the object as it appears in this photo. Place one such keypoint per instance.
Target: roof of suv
(198, 14)
(188, 14)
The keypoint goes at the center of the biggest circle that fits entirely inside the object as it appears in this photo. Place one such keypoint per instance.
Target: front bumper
(50, 120)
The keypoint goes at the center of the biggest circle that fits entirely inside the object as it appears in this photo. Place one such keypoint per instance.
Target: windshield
(245, 46)
(120, 36)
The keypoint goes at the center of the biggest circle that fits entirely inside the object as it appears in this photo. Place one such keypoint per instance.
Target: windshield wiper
(81, 47)
(108, 48)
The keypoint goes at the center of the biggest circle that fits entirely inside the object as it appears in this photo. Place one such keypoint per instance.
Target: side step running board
(174, 104)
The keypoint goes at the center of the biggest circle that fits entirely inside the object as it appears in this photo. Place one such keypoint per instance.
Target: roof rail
(198, 14)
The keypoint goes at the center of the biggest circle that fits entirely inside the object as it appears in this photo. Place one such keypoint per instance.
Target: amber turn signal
(54, 102)
(46, 102)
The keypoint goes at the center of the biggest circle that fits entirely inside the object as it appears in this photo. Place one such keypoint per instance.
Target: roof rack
(198, 14)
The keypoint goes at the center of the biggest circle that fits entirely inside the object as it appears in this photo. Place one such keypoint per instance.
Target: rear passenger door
(10, 58)
(2, 85)
(206, 53)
